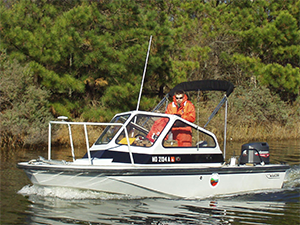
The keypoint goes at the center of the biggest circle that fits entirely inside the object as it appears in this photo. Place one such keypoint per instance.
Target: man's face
(179, 98)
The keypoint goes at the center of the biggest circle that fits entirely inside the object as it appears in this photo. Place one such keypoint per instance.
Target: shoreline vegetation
(240, 127)
(237, 131)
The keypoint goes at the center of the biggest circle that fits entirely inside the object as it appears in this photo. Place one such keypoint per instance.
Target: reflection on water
(22, 203)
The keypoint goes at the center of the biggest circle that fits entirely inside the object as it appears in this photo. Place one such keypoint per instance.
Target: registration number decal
(165, 159)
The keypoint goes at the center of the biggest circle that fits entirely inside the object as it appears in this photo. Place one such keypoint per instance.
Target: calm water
(22, 203)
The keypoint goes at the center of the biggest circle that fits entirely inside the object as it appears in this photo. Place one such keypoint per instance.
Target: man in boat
(184, 108)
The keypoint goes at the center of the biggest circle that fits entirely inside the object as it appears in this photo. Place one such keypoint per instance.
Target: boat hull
(160, 182)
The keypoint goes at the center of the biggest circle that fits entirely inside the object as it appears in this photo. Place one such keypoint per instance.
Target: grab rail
(86, 136)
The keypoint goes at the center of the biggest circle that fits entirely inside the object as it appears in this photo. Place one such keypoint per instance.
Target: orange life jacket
(186, 109)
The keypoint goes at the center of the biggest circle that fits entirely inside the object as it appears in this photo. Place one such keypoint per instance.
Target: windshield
(184, 135)
(111, 130)
(143, 130)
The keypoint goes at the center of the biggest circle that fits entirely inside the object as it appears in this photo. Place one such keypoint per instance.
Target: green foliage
(24, 113)
(69, 48)
(88, 56)
(122, 98)
(268, 32)
(283, 78)
(258, 106)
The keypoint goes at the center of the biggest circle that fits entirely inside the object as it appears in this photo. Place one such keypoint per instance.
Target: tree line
(85, 59)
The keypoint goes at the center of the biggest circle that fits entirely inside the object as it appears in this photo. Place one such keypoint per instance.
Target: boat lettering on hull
(273, 176)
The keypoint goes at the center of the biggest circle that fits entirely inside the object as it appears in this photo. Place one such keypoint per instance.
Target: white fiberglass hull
(160, 182)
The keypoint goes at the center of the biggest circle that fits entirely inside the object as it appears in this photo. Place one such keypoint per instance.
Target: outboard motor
(255, 153)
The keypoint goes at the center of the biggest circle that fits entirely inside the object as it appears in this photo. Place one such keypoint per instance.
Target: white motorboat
(125, 160)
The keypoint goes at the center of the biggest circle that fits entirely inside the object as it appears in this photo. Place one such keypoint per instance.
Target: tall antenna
(140, 95)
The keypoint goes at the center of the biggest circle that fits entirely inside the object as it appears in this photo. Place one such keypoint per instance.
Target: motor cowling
(255, 153)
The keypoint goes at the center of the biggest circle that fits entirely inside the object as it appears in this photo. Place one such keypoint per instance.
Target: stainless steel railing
(85, 124)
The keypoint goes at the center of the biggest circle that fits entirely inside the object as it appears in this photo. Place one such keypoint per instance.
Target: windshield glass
(184, 135)
(143, 130)
(111, 130)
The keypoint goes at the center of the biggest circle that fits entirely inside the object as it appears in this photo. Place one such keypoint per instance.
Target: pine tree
(269, 43)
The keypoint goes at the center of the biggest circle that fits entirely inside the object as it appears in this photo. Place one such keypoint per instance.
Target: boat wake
(68, 193)
(292, 179)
